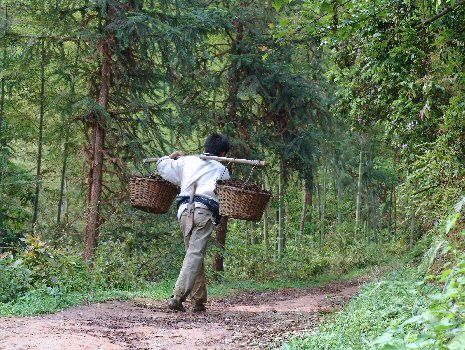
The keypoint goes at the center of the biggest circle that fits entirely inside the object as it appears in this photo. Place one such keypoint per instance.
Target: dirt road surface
(248, 320)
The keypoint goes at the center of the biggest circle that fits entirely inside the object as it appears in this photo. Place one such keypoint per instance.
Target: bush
(15, 278)
(441, 324)
(113, 267)
(41, 267)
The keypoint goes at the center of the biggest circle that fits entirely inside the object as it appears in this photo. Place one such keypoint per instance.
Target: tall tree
(281, 210)
(358, 209)
(41, 131)
(306, 204)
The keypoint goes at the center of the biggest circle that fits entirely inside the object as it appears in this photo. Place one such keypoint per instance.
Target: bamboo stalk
(219, 159)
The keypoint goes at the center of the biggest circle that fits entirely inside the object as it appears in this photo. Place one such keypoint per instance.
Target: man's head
(217, 145)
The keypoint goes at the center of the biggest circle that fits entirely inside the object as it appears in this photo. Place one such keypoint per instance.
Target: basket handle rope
(250, 175)
(221, 176)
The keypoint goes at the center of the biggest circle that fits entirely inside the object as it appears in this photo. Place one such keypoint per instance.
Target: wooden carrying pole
(220, 159)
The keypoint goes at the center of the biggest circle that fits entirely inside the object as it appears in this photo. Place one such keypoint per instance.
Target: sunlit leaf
(458, 342)
(451, 221)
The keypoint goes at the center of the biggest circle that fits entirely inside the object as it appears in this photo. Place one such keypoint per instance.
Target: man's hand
(176, 154)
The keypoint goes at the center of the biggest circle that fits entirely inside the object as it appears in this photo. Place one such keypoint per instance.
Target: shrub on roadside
(15, 278)
(114, 269)
(39, 266)
(440, 325)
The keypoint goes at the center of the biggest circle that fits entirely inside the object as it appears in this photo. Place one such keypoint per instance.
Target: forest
(357, 107)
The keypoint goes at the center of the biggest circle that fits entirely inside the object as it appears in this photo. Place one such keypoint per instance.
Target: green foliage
(246, 256)
(440, 325)
(379, 305)
(113, 267)
(15, 279)
(15, 197)
(41, 267)
(412, 309)
(336, 90)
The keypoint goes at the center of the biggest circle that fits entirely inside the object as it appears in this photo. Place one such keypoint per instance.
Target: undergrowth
(50, 299)
(415, 308)
(379, 305)
(41, 277)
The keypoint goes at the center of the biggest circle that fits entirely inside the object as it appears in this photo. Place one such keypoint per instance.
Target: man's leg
(199, 291)
(192, 267)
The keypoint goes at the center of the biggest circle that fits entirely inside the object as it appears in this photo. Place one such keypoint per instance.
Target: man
(198, 211)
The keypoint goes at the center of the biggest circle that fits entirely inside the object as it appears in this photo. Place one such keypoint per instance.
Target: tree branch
(444, 12)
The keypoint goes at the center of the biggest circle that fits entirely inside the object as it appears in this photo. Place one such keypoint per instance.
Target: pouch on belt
(190, 210)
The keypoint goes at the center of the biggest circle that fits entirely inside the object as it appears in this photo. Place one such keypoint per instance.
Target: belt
(211, 204)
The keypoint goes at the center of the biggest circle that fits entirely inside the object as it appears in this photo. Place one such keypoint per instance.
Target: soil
(247, 320)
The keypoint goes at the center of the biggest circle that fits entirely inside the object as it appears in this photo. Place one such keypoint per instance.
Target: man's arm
(170, 167)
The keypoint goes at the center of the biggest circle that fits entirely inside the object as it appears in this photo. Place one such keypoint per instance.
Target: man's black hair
(216, 144)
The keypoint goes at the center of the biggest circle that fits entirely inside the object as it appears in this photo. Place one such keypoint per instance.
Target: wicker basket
(153, 195)
(242, 201)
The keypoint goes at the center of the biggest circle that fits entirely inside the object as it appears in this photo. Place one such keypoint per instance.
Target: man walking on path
(198, 211)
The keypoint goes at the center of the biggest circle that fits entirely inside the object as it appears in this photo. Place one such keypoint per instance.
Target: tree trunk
(412, 227)
(265, 230)
(281, 233)
(2, 118)
(2, 87)
(67, 125)
(390, 214)
(375, 217)
(41, 130)
(340, 191)
(265, 220)
(368, 215)
(323, 207)
(306, 202)
(63, 173)
(98, 139)
(372, 199)
(234, 74)
(395, 211)
(221, 231)
(318, 194)
(359, 190)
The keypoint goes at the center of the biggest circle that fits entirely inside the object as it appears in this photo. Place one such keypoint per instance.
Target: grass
(384, 303)
(49, 300)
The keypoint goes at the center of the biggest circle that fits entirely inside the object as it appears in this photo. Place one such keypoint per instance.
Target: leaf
(389, 347)
(451, 221)
(326, 7)
(458, 207)
(383, 339)
(278, 4)
(17, 263)
(458, 342)
(445, 275)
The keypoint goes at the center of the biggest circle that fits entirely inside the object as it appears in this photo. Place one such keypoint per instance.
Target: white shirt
(184, 171)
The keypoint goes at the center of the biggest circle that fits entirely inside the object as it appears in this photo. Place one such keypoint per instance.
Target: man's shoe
(175, 304)
(199, 307)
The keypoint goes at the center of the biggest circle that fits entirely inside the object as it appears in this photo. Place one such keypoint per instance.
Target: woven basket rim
(158, 179)
(238, 189)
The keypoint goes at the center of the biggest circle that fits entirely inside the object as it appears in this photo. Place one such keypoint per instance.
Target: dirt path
(242, 321)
